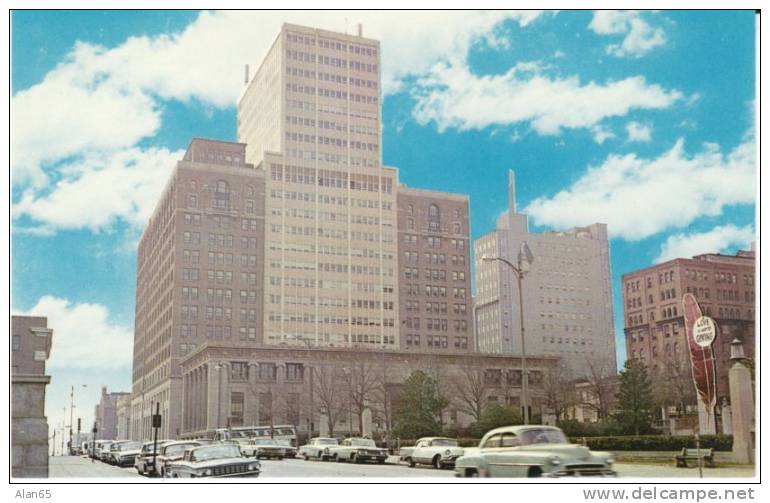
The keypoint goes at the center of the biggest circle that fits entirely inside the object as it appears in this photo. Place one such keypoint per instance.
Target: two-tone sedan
(144, 461)
(318, 448)
(440, 452)
(531, 451)
(358, 450)
(170, 453)
(265, 447)
(125, 453)
(214, 461)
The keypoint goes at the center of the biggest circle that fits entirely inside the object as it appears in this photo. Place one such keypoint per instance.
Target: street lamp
(524, 260)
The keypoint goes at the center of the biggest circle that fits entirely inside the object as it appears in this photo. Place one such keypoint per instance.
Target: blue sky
(641, 120)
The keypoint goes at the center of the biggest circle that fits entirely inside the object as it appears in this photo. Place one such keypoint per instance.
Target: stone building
(434, 271)
(123, 417)
(567, 293)
(724, 286)
(236, 386)
(30, 348)
(199, 274)
(106, 414)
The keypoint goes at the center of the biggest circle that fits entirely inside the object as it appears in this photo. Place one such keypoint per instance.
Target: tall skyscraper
(310, 118)
(199, 274)
(567, 293)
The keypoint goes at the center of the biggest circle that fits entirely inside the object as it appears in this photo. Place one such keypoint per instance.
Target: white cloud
(99, 189)
(638, 132)
(453, 97)
(100, 102)
(640, 197)
(717, 240)
(83, 336)
(601, 134)
(640, 38)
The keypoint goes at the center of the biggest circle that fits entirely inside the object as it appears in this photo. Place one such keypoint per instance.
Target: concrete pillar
(323, 426)
(727, 420)
(742, 408)
(706, 422)
(366, 428)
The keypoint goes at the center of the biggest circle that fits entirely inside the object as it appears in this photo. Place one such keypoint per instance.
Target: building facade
(199, 274)
(30, 348)
(123, 417)
(434, 274)
(567, 293)
(724, 286)
(310, 389)
(106, 414)
(310, 117)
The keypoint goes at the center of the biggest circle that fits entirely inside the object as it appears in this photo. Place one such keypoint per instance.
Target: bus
(283, 434)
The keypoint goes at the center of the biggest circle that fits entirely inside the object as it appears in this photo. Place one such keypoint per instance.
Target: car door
(421, 454)
(503, 459)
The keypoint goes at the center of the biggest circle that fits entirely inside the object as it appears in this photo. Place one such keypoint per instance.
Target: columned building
(567, 293)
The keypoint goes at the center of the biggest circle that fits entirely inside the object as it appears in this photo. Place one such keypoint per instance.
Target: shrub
(655, 442)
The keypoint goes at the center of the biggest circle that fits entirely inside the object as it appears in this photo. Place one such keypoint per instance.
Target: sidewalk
(60, 467)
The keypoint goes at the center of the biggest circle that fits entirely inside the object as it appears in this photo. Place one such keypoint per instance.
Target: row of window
(434, 258)
(325, 140)
(324, 43)
(434, 241)
(306, 57)
(331, 77)
(218, 332)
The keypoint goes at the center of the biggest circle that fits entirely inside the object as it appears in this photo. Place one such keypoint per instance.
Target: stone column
(741, 405)
(29, 426)
(366, 428)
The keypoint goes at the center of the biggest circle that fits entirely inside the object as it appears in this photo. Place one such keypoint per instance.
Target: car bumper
(450, 460)
(602, 472)
(371, 457)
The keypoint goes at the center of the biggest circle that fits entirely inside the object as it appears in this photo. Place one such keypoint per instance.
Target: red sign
(701, 357)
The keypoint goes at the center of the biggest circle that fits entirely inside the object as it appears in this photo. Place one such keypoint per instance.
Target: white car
(358, 450)
(440, 452)
(318, 448)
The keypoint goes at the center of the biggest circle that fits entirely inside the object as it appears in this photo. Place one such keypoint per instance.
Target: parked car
(358, 450)
(112, 456)
(531, 451)
(440, 452)
(97, 448)
(103, 452)
(214, 460)
(144, 461)
(290, 451)
(125, 453)
(264, 448)
(318, 448)
(172, 452)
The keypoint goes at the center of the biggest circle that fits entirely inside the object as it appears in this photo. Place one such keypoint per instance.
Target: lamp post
(525, 259)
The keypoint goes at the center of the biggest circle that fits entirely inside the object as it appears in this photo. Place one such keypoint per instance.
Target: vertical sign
(701, 332)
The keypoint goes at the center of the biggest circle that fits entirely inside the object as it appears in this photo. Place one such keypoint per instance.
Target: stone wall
(29, 428)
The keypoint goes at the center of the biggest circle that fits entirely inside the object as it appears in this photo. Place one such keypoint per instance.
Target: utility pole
(72, 405)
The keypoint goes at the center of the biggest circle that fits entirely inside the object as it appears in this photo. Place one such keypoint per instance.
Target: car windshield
(130, 446)
(363, 442)
(326, 441)
(210, 452)
(444, 442)
(177, 449)
(542, 436)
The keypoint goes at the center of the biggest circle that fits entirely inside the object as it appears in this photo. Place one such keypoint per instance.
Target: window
(16, 342)
(295, 371)
(236, 408)
(239, 371)
(267, 371)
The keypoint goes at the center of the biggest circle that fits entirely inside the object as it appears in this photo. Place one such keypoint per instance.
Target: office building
(106, 414)
(567, 294)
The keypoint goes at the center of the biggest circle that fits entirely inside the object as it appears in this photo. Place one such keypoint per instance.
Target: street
(80, 467)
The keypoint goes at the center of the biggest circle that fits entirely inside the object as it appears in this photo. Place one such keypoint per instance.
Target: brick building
(106, 414)
(724, 286)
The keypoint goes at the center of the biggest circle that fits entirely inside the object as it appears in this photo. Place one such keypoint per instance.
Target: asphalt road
(80, 467)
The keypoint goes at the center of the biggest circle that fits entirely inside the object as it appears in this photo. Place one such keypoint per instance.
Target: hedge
(625, 443)
(655, 442)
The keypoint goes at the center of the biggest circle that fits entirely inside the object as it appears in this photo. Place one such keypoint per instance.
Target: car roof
(521, 427)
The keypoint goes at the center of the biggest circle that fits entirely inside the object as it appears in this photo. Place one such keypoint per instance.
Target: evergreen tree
(495, 416)
(635, 399)
(419, 408)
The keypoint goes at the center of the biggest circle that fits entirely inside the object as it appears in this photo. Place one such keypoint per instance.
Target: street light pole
(524, 256)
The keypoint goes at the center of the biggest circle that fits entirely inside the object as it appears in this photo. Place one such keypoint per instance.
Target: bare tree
(470, 392)
(601, 388)
(674, 370)
(329, 394)
(382, 399)
(361, 380)
(558, 394)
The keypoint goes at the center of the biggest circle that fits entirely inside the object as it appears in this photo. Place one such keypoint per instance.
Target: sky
(640, 120)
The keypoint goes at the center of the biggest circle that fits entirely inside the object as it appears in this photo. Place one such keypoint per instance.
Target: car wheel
(354, 459)
(472, 473)
(534, 471)
(280, 458)
(338, 459)
(306, 457)
(437, 462)
(411, 462)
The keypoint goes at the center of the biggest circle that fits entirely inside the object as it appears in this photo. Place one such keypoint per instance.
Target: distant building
(594, 399)
(567, 293)
(434, 271)
(724, 286)
(106, 415)
(30, 348)
(123, 416)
